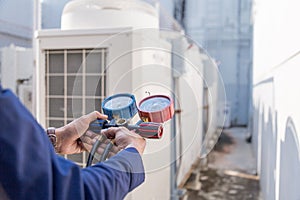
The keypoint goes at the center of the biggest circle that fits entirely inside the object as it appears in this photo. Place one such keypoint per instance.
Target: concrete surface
(232, 152)
(229, 171)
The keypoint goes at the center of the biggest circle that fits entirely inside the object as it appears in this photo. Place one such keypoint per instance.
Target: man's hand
(68, 141)
(125, 138)
(89, 139)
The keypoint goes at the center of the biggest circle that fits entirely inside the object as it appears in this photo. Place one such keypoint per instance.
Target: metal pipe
(173, 170)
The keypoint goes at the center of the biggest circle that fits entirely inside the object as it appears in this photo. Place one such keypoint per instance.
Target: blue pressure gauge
(119, 106)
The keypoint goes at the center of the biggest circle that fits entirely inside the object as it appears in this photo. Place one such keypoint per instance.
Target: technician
(30, 168)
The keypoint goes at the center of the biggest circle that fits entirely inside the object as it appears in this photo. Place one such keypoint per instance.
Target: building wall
(51, 13)
(276, 117)
(224, 28)
(16, 22)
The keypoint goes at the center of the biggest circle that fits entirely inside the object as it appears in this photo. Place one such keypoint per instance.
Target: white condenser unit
(16, 71)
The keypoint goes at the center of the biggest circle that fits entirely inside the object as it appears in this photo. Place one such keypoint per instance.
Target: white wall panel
(276, 98)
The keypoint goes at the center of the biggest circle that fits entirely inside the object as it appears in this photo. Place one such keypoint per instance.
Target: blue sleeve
(30, 169)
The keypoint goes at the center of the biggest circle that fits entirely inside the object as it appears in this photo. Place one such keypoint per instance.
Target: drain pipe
(177, 67)
(173, 170)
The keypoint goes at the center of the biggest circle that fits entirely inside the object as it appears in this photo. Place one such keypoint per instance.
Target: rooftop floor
(229, 171)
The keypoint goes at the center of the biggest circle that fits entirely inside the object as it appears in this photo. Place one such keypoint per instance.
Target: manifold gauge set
(121, 108)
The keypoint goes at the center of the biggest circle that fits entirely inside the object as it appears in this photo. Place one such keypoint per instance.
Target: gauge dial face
(156, 108)
(154, 104)
(119, 106)
(118, 102)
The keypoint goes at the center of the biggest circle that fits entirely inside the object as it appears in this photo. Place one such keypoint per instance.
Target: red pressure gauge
(156, 108)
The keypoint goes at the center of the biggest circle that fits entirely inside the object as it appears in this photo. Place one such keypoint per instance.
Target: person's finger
(91, 134)
(100, 151)
(100, 115)
(111, 132)
(88, 147)
(88, 140)
(95, 115)
(91, 141)
(106, 140)
(115, 149)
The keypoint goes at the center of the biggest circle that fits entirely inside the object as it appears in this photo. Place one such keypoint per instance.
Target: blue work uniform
(30, 168)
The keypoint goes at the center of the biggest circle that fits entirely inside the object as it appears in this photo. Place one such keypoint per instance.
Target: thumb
(95, 115)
